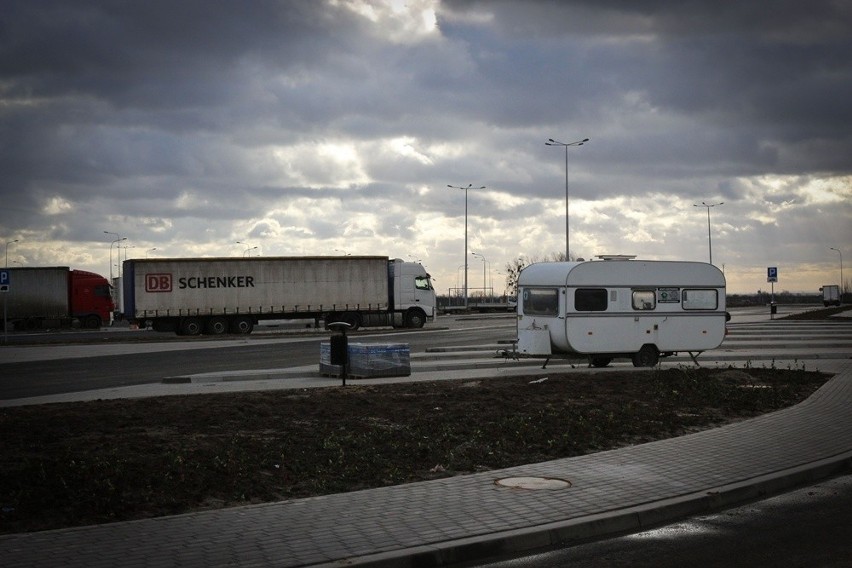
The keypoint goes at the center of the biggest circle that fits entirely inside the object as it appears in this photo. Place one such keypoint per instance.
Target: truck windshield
(422, 283)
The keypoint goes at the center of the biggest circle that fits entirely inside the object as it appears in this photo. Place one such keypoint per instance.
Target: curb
(523, 365)
(605, 525)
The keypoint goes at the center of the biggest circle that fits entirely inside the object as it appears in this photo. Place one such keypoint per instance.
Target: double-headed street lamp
(484, 279)
(469, 186)
(249, 248)
(118, 239)
(841, 271)
(709, 240)
(7, 250)
(566, 145)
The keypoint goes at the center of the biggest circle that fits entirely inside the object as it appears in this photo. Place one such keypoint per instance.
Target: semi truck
(192, 296)
(620, 307)
(56, 296)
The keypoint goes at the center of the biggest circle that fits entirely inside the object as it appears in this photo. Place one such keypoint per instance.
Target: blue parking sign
(772, 274)
(4, 280)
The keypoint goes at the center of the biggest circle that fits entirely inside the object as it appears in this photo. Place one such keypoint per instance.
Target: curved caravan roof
(651, 273)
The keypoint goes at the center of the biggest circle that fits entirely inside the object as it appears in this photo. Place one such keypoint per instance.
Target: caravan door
(541, 320)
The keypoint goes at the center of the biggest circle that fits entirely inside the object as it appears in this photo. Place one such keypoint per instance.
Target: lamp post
(120, 264)
(7, 250)
(841, 271)
(118, 239)
(484, 278)
(469, 186)
(249, 248)
(566, 145)
(709, 240)
(147, 252)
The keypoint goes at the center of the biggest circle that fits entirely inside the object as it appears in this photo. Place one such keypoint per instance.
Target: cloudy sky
(335, 127)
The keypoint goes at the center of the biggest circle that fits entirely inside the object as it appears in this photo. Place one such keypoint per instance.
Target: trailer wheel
(601, 361)
(415, 318)
(352, 319)
(241, 325)
(648, 356)
(190, 326)
(216, 326)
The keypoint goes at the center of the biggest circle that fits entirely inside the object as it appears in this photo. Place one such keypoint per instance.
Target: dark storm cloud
(774, 75)
(291, 122)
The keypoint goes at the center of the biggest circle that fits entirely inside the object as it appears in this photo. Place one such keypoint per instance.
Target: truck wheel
(352, 319)
(92, 322)
(216, 326)
(241, 325)
(415, 318)
(190, 326)
(648, 356)
(601, 361)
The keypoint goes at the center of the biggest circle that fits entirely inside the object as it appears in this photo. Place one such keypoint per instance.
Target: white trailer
(619, 307)
(221, 295)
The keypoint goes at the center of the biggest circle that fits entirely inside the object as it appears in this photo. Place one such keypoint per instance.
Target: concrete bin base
(369, 360)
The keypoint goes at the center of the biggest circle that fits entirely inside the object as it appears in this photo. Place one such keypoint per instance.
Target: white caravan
(620, 307)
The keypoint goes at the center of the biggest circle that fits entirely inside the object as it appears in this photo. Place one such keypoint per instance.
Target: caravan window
(644, 300)
(590, 299)
(541, 301)
(700, 299)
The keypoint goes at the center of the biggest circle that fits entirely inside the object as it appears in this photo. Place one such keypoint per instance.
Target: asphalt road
(809, 527)
(39, 364)
(83, 361)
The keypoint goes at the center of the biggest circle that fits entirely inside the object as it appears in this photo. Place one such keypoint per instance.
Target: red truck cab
(90, 298)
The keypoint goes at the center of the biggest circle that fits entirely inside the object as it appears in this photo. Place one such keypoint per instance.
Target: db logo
(158, 282)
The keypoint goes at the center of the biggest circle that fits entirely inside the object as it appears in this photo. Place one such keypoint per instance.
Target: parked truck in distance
(214, 296)
(56, 296)
(830, 295)
(619, 307)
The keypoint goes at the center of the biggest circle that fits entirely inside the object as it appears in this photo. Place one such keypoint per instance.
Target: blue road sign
(772, 274)
(4, 280)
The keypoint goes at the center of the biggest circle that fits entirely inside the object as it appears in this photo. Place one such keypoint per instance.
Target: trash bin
(773, 308)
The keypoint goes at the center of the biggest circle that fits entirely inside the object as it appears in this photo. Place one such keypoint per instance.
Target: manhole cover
(533, 483)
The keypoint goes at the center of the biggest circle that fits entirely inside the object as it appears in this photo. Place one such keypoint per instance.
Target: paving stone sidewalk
(468, 517)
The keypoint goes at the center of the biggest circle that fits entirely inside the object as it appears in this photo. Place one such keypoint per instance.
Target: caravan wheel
(648, 356)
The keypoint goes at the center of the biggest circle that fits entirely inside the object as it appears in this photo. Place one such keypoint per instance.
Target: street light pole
(484, 278)
(566, 145)
(118, 239)
(709, 240)
(469, 186)
(248, 249)
(7, 251)
(147, 252)
(841, 271)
